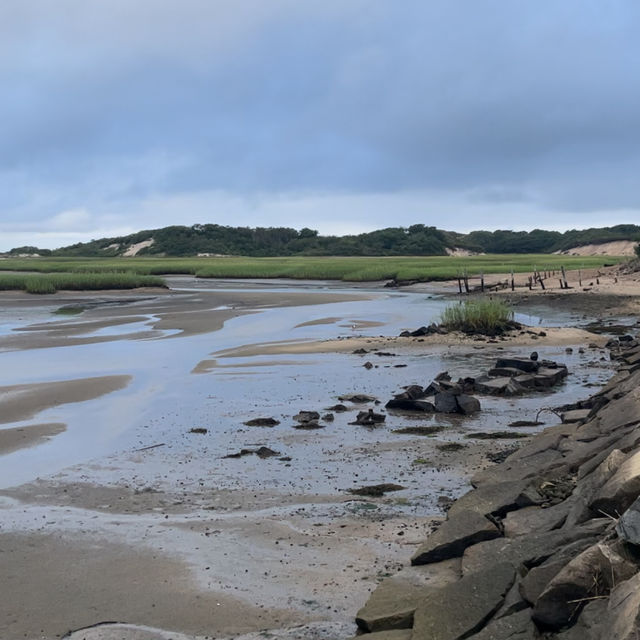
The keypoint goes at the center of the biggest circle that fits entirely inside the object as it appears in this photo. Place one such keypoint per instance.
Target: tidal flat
(129, 504)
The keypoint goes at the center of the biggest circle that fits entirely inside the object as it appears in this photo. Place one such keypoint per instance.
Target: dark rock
(620, 491)
(467, 404)
(445, 402)
(419, 332)
(517, 626)
(356, 398)
(528, 366)
(261, 452)
(410, 405)
(533, 356)
(200, 430)
(367, 365)
(628, 527)
(443, 376)
(328, 417)
(309, 426)
(622, 621)
(369, 418)
(412, 392)
(376, 490)
(458, 610)
(262, 422)
(595, 571)
(306, 416)
(360, 352)
(338, 408)
(453, 536)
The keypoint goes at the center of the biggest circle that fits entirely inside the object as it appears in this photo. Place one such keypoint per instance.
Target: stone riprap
(547, 543)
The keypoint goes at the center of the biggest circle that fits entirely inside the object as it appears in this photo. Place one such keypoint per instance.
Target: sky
(339, 115)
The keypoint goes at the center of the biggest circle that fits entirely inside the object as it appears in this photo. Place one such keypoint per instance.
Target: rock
(504, 372)
(628, 527)
(410, 405)
(306, 416)
(620, 491)
(528, 366)
(546, 378)
(200, 430)
(420, 431)
(445, 402)
(527, 550)
(467, 404)
(338, 408)
(623, 613)
(359, 352)
(328, 417)
(262, 422)
(391, 606)
(535, 519)
(419, 332)
(534, 355)
(369, 418)
(443, 376)
(462, 608)
(453, 536)
(577, 415)
(537, 579)
(312, 424)
(393, 602)
(499, 386)
(368, 365)
(357, 398)
(498, 499)
(261, 452)
(517, 626)
(594, 572)
(589, 625)
(412, 392)
(376, 490)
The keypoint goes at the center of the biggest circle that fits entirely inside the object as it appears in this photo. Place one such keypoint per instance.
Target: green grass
(52, 282)
(354, 269)
(489, 317)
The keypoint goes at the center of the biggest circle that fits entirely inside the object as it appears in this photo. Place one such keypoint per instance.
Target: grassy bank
(354, 269)
(52, 282)
(489, 317)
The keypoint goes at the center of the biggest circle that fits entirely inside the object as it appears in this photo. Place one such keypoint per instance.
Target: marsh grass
(354, 269)
(52, 282)
(486, 316)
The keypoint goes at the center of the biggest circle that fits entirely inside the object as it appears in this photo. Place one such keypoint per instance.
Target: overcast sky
(339, 115)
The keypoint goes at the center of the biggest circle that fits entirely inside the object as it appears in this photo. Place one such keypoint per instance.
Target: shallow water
(165, 400)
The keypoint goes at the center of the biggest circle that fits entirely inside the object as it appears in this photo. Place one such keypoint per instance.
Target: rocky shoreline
(546, 544)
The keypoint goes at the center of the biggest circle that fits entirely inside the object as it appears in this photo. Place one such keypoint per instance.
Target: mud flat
(159, 513)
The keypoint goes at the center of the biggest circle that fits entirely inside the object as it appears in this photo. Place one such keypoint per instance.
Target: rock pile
(546, 545)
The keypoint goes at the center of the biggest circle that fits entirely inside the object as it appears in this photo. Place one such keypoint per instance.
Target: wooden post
(482, 281)
(513, 283)
(459, 284)
(580, 277)
(466, 281)
(529, 280)
(564, 278)
(541, 282)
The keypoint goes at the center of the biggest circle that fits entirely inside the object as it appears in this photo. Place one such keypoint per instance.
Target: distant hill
(418, 239)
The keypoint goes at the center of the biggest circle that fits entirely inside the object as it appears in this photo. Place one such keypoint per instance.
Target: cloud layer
(342, 116)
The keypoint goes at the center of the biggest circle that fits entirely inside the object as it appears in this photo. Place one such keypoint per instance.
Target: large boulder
(623, 613)
(392, 604)
(522, 364)
(517, 626)
(594, 572)
(463, 608)
(445, 402)
(467, 404)
(620, 491)
(453, 536)
(628, 527)
(407, 404)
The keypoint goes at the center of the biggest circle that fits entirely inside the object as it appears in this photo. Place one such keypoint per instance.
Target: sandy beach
(142, 523)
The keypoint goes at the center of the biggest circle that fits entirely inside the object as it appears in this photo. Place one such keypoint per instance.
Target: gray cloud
(109, 106)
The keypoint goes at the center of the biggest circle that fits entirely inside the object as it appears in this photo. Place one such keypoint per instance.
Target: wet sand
(28, 436)
(165, 533)
(23, 401)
